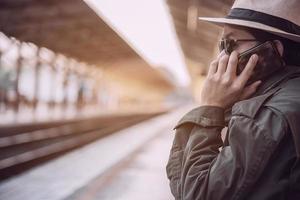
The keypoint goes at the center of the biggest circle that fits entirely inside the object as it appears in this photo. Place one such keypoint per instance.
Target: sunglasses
(229, 44)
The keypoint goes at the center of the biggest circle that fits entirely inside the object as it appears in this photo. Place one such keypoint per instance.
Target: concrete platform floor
(140, 176)
(127, 165)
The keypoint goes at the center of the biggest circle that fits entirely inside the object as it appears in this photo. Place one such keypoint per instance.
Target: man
(260, 156)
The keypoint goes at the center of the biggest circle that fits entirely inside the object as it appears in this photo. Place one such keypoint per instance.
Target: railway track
(25, 146)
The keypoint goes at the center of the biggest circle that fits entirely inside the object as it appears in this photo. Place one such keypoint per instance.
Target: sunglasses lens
(225, 45)
(221, 45)
(229, 47)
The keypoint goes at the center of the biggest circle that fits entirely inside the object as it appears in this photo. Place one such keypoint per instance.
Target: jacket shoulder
(287, 102)
(287, 98)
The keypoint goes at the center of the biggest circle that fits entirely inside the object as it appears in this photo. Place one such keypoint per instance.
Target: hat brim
(251, 24)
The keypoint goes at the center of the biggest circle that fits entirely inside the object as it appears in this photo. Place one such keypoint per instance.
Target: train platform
(129, 164)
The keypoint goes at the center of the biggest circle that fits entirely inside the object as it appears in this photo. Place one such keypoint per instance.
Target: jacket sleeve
(198, 169)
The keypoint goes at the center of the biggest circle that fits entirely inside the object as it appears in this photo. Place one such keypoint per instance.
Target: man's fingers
(214, 64)
(221, 54)
(232, 64)
(213, 67)
(246, 73)
(249, 90)
(222, 64)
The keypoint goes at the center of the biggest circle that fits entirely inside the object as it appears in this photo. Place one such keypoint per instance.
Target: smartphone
(269, 61)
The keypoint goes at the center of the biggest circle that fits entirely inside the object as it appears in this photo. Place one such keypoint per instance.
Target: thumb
(249, 90)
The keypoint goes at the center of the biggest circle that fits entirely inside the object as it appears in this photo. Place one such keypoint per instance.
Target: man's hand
(222, 87)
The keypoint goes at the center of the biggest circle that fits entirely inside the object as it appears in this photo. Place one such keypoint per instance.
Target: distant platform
(45, 115)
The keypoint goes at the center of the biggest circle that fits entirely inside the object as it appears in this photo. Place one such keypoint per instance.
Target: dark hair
(291, 52)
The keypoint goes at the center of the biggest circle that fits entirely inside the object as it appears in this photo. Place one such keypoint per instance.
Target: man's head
(269, 20)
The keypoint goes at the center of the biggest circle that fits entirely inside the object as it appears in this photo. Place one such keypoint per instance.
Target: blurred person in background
(253, 87)
(6, 83)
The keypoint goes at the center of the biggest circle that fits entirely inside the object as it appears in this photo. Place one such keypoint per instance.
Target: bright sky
(147, 27)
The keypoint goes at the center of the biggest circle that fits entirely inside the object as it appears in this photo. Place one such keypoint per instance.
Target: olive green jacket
(260, 156)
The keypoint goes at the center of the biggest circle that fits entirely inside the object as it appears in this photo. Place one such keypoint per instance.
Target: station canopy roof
(198, 39)
(72, 28)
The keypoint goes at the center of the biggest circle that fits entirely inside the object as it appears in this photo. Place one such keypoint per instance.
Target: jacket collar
(275, 80)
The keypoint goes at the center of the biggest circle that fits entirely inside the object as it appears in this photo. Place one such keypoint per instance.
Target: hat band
(263, 18)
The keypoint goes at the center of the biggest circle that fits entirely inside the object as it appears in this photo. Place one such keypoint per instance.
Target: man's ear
(279, 46)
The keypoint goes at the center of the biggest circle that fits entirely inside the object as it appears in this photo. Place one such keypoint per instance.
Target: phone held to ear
(269, 61)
